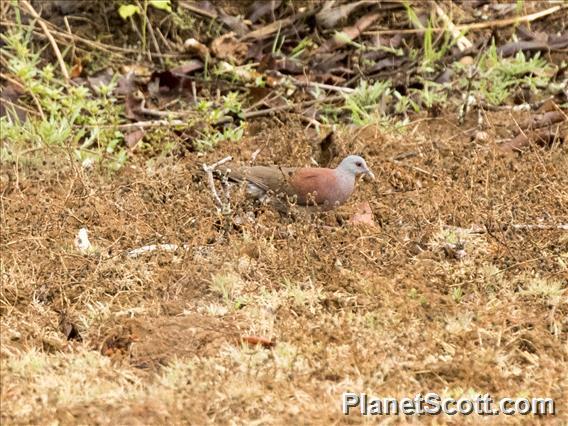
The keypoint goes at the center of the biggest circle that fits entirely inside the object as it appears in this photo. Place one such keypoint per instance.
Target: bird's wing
(267, 178)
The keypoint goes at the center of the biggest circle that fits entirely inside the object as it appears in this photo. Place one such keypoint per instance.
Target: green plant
(210, 115)
(431, 95)
(127, 11)
(365, 102)
(67, 115)
(498, 77)
(457, 294)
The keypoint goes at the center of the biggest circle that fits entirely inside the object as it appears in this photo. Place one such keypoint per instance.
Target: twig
(289, 107)
(471, 74)
(94, 44)
(73, 47)
(154, 41)
(153, 247)
(151, 123)
(521, 107)
(323, 86)
(484, 229)
(246, 115)
(191, 8)
(529, 226)
(271, 28)
(221, 208)
(461, 41)
(56, 50)
(479, 25)
(254, 155)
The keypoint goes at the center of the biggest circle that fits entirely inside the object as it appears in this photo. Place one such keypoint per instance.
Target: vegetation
(127, 297)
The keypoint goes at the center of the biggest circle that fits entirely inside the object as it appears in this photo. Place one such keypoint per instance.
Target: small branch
(289, 107)
(520, 107)
(151, 123)
(56, 50)
(500, 23)
(209, 171)
(484, 229)
(154, 247)
(461, 41)
(323, 86)
(254, 155)
(529, 226)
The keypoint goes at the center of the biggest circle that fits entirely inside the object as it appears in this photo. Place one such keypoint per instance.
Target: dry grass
(389, 311)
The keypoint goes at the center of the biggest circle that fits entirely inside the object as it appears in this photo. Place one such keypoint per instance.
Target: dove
(319, 187)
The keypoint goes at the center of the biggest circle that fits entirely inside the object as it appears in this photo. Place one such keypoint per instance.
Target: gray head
(355, 165)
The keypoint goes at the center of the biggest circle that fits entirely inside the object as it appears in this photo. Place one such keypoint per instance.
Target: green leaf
(127, 10)
(161, 4)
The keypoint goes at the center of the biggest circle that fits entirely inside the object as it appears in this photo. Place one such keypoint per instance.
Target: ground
(456, 283)
(391, 310)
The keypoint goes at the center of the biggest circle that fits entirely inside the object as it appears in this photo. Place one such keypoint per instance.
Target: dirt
(360, 307)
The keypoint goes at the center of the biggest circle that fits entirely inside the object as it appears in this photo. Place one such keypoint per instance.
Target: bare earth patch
(445, 295)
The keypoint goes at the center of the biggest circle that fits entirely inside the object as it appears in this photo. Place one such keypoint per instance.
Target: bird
(313, 187)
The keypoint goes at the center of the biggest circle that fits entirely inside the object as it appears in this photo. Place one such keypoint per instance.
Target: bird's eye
(359, 164)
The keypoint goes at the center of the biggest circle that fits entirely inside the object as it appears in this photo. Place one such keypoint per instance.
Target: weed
(364, 103)
(228, 286)
(499, 78)
(69, 115)
(211, 114)
(127, 11)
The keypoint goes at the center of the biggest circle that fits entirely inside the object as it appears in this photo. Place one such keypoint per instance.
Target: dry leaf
(258, 340)
(228, 47)
(133, 138)
(363, 216)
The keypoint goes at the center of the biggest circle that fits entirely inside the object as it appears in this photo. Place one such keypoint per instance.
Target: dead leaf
(545, 138)
(235, 23)
(258, 340)
(133, 138)
(76, 70)
(68, 328)
(194, 46)
(188, 67)
(348, 33)
(275, 62)
(330, 17)
(227, 47)
(139, 70)
(363, 216)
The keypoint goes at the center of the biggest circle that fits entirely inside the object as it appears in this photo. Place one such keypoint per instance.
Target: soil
(364, 308)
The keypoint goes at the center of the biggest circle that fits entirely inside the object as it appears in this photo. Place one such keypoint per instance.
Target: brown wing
(267, 178)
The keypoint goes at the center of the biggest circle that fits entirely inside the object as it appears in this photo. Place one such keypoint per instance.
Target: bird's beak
(370, 174)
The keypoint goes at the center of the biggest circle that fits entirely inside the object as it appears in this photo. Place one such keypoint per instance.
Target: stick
(151, 123)
(262, 112)
(323, 86)
(56, 50)
(462, 42)
(479, 25)
(153, 247)
(209, 171)
(476, 229)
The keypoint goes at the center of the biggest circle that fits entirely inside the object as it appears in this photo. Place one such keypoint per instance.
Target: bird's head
(356, 166)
